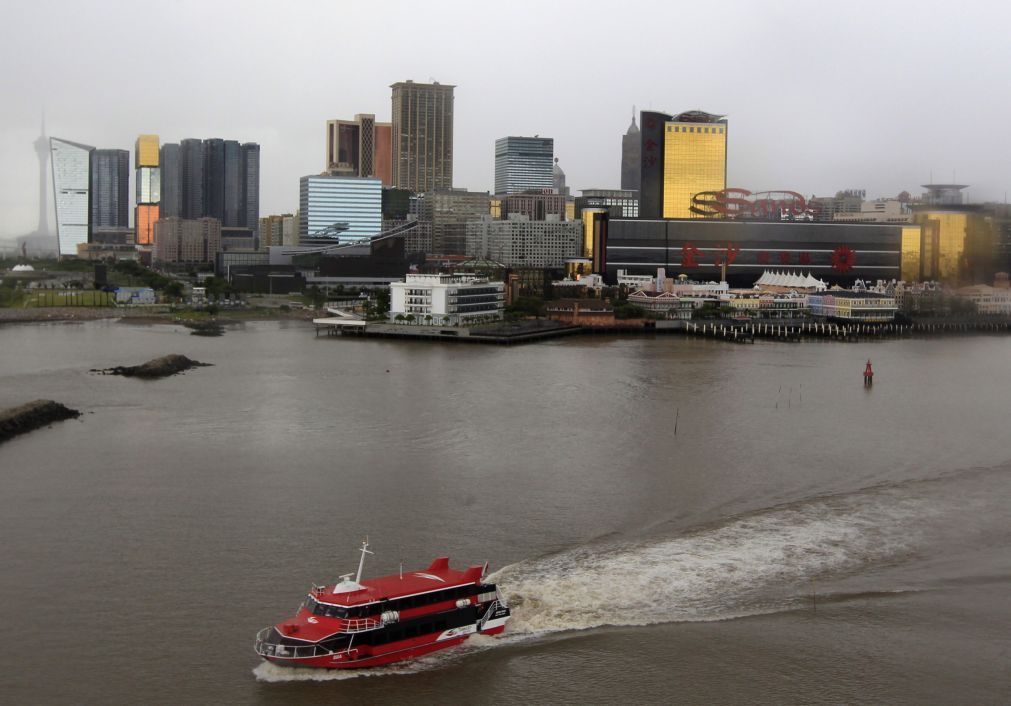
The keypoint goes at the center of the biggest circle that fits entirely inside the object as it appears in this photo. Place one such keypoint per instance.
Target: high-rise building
(695, 160)
(360, 147)
(449, 211)
(523, 163)
(147, 212)
(344, 209)
(233, 185)
(250, 204)
(422, 136)
(171, 181)
(214, 178)
(191, 171)
(71, 175)
(957, 243)
(109, 197)
(631, 157)
(651, 171)
(383, 159)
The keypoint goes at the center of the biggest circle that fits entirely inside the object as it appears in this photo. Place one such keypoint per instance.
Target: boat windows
(446, 594)
(326, 610)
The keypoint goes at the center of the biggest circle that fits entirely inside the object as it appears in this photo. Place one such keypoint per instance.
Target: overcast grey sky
(819, 96)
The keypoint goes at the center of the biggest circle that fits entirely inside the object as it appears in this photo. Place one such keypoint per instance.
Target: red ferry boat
(356, 623)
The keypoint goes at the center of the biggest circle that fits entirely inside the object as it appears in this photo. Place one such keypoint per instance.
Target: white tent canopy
(791, 280)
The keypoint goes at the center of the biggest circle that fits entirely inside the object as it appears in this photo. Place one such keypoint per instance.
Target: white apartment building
(446, 300)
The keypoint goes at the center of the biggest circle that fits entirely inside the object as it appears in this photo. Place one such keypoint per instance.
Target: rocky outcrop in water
(157, 368)
(27, 417)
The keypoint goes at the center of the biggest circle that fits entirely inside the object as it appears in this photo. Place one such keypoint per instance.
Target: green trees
(174, 289)
(315, 296)
(383, 302)
(526, 306)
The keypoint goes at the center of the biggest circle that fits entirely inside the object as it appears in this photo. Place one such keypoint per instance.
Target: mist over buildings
(875, 96)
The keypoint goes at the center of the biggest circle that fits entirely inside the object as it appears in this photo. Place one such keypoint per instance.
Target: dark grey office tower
(109, 201)
(631, 157)
(651, 137)
(234, 185)
(251, 188)
(171, 181)
(191, 168)
(214, 178)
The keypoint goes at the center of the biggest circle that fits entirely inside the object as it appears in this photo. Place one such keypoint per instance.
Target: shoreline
(31, 315)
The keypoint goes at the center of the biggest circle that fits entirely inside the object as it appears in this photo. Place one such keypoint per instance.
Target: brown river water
(799, 539)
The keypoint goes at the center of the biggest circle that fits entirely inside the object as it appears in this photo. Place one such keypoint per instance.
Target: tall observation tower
(42, 150)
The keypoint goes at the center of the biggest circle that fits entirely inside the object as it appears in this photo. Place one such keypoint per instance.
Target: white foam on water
(752, 564)
(270, 672)
(749, 565)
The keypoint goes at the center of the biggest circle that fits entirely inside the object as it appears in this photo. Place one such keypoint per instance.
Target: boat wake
(752, 564)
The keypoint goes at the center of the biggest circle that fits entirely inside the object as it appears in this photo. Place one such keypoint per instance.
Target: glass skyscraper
(171, 181)
(212, 179)
(250, 202)
(524, 163)
(109, 188)
(71, 175)
(346, 209)
(146, 161)
(694, 160)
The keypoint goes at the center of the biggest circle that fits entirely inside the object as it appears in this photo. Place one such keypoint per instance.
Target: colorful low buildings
(667, 303)
(853, 307)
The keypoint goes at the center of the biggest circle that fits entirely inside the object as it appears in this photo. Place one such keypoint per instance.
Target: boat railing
(353, 625)
(492, 607)
(273, 649)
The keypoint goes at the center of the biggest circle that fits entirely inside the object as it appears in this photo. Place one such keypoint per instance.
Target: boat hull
(364, 658)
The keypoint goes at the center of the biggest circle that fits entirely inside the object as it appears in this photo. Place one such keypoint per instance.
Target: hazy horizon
(874, 96)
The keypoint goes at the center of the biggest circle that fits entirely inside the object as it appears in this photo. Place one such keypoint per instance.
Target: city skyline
(824, 117)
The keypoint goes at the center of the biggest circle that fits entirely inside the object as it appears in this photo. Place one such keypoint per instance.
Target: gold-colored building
(956, 245)
(146, 151)
(595, 238)
(695, 160)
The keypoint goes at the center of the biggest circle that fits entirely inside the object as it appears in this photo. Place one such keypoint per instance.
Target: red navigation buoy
(868, 375)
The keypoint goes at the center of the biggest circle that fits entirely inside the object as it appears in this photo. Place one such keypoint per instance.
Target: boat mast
(361, 564)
